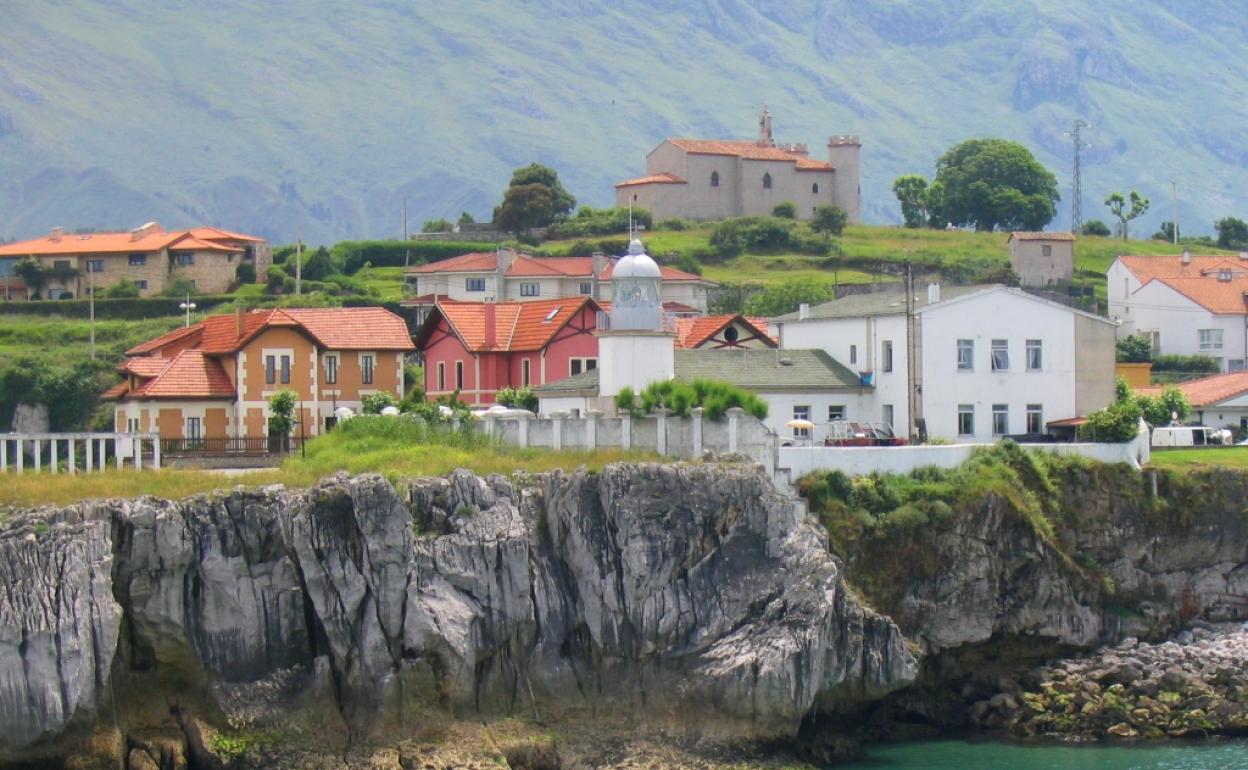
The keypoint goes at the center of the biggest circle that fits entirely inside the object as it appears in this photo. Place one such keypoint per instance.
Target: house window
(1000, 355)
(184, 258)
(836, 412)
(1035, 355)
(801, 413)
(194, 429)
(95, 265)
(285, 370)
(1235, 364)
(966, 355)
(61, 265)
(270, 370)
(578, 365)
(1154, 338)
(853, 354)
(887, 355)
(1046, 250)
(1000, 419)
(888, 415)
(132, 425)
(966, 419)
(814, 188)
(331, 370)
(366, 368)
(530, 289)
(441, 375)
(475, 284)
(142, 284)
(714, 179)
(766, 181)
(459, 375)
(1210, 339)
(524, 373)
(1035, 418)
(587, 287)
(137, 260)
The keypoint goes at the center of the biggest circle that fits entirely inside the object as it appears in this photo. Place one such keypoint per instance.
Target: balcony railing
(200, 447)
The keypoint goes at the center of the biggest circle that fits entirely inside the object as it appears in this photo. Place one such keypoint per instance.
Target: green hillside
(320, 117)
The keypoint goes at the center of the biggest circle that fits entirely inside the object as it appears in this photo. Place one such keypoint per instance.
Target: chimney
(491, 323)
(57, 232)
(803, 311)
(1243, 255)
(240, 319)
(1187, 257)
(933, 293)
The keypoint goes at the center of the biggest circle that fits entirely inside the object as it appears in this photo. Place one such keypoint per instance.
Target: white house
(1185, 304)
(1220, 401)
(991, 361)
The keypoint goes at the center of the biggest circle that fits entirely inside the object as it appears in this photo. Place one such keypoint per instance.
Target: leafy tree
(282, 412)
(782, 298)
(1118, 207)
(524, 207)
(995, 183)
(1160, 409)
(1096, 227)
(373, 403)
(1135, 349)
(1166, 233)
(1122, 390)
(32, 273)
(829, 220)
(245, 273)
(518, 398)
(466, 219)
(123, 289)
(1232, 233)
(436, 226)
(680, 398)
(911, 192)
(179, 287)
(785, 210)
(1116, 423)
(318, 265)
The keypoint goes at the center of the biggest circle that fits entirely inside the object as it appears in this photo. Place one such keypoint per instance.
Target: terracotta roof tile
(668, 273)
(476, 262)
(1145, 268)
(663, 178)
(519, 326)
(694, 332)
(561, 266)
(1207, 390)
(189, 375)
(116, 392)
(216, 233)
(1022, 235)
(122, 243)
(1212, 294)
(749, 151)
(144, 366)
(337, 328)
(164, 339)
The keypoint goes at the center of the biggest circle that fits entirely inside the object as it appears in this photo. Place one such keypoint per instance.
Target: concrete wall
(1027, 258)
(1095, 373)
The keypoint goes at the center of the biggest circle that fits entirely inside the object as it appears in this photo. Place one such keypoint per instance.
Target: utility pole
(912, 421)
(298, 264)
(1174, 223)
(91, 304)
(1076, 193)
(407, 251)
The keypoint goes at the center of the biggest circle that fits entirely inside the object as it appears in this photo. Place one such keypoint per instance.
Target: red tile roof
(663, 178)
(520, 326)
(191, 374)
(164, 339)
(1207, 390)
(155, 239)
(694, 332)
(216, 233)
(749, 151)
(117, 391)
(1198, 279)
(144, 366)
(1021, 235)
(476, 262)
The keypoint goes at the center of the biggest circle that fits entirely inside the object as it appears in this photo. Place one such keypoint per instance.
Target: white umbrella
(799, 424)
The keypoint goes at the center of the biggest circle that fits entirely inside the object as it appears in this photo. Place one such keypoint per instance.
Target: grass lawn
(64, 340)
(1203, 457)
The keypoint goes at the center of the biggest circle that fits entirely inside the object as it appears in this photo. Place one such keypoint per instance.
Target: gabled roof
(216, 233)
(663, 178)
(155, 239)
(891, 301)
(1198, 279)
(1147, 267)
(475, 262)
(1023, 235)
(1206, 391)
(694, 332)
(190, 374)
(337, 328)
(165, 339)
(519, 326)
(524, 265)
(749, 151)
(144, 366)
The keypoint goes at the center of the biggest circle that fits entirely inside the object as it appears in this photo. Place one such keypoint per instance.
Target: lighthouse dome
(637, 264)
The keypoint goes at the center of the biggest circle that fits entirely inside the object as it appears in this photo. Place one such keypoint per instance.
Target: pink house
(477, 348)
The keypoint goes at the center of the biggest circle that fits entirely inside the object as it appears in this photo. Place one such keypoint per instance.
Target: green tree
(1118, 208)
(373, 403)
(786, 297)
(524, 207)
(1096, 227)
(1119, 422)
(517, 398)
(1232, 233)
(32, 273)
(466, 219)
(785, 210)
(829, 220)
(911, 192)
(1166, 233)
(245, 273)
(123, 289)
(995, 183)
(561, 200)
(1135, 349)
(179, 287)
(282, 412)
(318, 265)
(1170, 404)
(436, 226)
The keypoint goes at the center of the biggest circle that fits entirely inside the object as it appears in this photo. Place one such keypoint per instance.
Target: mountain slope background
(318, 118)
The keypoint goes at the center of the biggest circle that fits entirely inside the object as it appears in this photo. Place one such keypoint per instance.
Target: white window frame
(1209, 339)
(1000, 355)
(587, 287)
(371, 357)
(587, 363)
(966, 364)
(332, 365)
(1035, 412)
(1001, 411)
(836, 412)
(801, 412)
(1035, 349)
(968, 411)
(474, 284)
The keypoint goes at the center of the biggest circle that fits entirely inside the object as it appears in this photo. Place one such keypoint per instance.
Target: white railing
(94, 449)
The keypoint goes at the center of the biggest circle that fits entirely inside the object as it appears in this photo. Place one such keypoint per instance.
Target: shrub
(1135, 349)
(281, 411)
(591, 221)
(1095, 227)
(1190, 364)
(245, 273)
(1116, 423)
(715, 397)
(675, 224)
(179, 287)
(1160, 409)
(350, 256)
(373, 403)
(437, 226)
(829, 220)
(517, 398)
(734, 236)
(123, 289)
(786, 297)
(785, 210)
(127, 308)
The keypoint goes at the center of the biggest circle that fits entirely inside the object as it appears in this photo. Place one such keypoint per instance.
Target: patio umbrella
(799, 424)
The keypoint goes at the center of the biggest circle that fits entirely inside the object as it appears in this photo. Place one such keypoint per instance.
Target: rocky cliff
(691, 598)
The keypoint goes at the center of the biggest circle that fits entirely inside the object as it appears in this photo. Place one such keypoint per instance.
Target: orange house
(213, 380)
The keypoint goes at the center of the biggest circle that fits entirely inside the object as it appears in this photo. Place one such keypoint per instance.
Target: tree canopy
(829, 220)
(534, 198)
(1232, 233)
(1118, 207)
(786, 297)
(995, 184)
(911, 191)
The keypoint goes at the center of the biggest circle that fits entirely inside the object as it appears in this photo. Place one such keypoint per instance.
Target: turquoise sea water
(964, 755)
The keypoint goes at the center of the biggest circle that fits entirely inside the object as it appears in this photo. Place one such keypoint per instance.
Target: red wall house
(477, 348)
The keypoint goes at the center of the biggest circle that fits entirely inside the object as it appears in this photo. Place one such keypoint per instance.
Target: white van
(1181, 435)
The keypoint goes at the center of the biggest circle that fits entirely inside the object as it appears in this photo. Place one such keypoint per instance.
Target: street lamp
(188, 306)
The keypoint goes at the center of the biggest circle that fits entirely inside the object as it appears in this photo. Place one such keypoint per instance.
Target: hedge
(126, 308)
(350, 256)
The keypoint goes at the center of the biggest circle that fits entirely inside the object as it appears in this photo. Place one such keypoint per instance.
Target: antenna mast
(1076, 193)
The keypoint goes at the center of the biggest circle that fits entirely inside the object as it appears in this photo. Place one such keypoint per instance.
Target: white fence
(94, 448)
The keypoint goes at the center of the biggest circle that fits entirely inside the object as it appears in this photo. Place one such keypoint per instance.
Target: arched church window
(714, 179)
(766, 181)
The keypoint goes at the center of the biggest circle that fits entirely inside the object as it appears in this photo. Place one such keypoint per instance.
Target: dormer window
(714, 179)
(766, 181)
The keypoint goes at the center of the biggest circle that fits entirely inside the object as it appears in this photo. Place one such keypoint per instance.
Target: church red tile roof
(519, 326)
(663, 178)
(749, 151)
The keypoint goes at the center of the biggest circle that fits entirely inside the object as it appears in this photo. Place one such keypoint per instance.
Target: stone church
(716, 179)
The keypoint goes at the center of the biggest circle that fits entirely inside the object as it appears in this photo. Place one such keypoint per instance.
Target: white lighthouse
(635, 350)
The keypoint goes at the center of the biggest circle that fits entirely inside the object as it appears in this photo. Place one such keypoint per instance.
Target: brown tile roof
(663, 178)
(571, 267)
(122, 243)
(144, 366)
(520, 326)
(1207, 390)
(1145, 268)
(1022, 235)
(749, 151)
(693, 332)
(476, 262)
(191, 374)
(116, 392)
(164, 339)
